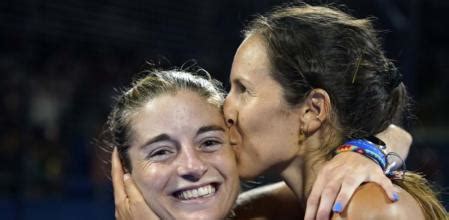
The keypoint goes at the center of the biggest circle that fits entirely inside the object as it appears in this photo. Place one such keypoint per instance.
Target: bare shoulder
(370, 202)
(268, 202)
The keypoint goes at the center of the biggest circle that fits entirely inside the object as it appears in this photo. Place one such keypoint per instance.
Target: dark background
(61, 60)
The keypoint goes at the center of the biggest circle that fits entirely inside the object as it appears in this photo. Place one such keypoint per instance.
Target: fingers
(117, 178)
(348, 187)
(131, 189)
(314, 198)
(386, 184)
(338, 180)
(138, 208)
(327, 200)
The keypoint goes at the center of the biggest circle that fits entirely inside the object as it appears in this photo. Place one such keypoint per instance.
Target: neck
(301, 172)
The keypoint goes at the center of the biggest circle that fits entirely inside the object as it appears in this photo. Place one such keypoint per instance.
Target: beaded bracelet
(366, 148)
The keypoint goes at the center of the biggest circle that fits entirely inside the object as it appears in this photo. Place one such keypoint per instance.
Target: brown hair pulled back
(154, 83)
(321, 47)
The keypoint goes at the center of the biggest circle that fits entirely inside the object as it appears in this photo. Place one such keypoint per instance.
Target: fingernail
(126, 176)
(337, 207)
(395, 197)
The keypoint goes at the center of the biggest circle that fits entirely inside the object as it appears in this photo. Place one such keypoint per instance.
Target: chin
(248, 172)
(207, 215)
(255, 168)
(198, 214)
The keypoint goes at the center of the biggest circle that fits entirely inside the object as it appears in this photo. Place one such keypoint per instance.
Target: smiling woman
(171, 137)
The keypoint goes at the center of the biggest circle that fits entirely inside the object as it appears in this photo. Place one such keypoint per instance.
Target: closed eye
(241, 88)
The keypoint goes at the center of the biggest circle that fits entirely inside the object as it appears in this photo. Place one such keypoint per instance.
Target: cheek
(259, 124)
(252, 123)
(270, 137)
(151, 180)
(225, 162)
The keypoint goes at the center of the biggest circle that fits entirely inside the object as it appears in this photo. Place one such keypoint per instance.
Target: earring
(301, 135)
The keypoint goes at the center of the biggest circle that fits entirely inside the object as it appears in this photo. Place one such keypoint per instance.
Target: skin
(254, 95)
(369, 202)
(336, 180)
(260, 148)
(129, 202)
(179, 143)
(272, 143)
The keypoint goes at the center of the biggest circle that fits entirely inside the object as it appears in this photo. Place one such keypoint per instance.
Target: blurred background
(61, 61)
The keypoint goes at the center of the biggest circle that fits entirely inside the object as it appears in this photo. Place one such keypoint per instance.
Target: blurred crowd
(60, 63)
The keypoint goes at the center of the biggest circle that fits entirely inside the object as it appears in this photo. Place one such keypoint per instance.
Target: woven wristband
(366, 148)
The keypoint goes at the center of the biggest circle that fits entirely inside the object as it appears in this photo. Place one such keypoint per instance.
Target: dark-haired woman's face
(267, 127)
(181, 158)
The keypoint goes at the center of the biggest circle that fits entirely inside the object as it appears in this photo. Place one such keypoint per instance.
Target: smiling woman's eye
(160, 154)
(210, 145)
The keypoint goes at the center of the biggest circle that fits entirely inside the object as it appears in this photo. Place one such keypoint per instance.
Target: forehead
(178, 114)
(252, 49)
(251, 58)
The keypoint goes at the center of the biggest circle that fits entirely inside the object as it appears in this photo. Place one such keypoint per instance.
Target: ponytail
(420, 189)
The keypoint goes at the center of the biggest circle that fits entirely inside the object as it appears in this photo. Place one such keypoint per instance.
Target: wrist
(366, 148)
(374, 148)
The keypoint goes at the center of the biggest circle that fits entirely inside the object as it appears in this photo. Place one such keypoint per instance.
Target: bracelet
(396, 167)
(366, 148)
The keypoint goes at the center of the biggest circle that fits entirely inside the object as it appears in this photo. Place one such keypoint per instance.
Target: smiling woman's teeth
(204, 191)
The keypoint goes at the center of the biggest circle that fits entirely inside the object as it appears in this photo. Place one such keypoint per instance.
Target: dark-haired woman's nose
(230, 111)
(191, 166)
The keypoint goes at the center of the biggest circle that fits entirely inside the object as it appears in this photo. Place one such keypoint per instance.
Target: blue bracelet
(366, 148)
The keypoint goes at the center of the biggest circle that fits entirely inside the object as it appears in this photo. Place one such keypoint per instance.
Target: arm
(341, 176)
(397, 140)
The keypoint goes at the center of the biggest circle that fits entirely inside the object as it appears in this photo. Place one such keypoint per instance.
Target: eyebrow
(209, 128)
(166, 137)
(161, 137)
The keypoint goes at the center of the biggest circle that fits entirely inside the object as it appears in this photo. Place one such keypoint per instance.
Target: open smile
(196, 193)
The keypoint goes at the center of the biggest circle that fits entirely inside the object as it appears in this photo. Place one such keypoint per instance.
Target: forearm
(397, 140)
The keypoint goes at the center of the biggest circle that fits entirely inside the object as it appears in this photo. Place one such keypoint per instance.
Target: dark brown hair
(321, 47)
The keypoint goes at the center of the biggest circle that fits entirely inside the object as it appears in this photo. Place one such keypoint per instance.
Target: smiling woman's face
(181, 158)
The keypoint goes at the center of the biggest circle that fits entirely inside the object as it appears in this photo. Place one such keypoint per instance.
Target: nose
(230, 110)
(191, 166)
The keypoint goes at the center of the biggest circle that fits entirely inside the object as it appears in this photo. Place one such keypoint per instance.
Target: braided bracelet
(366, 148)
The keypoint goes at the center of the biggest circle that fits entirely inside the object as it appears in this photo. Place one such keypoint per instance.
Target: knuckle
(350, 180)
(330, 190)
(326, 168)
(380, 178)
(344, 196)
(312, 201)
(361, 169)
(137, 202)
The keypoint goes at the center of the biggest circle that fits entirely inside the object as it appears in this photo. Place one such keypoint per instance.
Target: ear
(316, 109)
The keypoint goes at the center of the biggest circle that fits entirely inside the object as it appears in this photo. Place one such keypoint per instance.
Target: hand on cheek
(129, 202)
